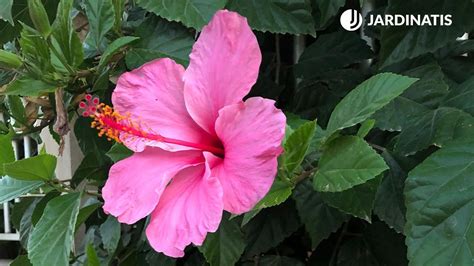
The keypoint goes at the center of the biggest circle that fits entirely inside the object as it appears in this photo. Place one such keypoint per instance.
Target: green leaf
(119, 7)
(365, 128)
(65, 40)
(92, 258)
(7, 155)
(393, 116)
(389, 201)
(225, 246)
(279, 192)
(51, 240)
(270, 227)
(11, 188)
(348, 161)
(296, 147)
(92, 167)
(439, 196)
(114, 47)
(357, 201)
(160, 39)
(397, 43)
(100, 15)
(319, 218)
(26, 225)
(21, 261)
(19, 12)
(325, 10)
(192, 13)
(365, 99)
(332, 51)
(40, 167)
(17, 110)
(84, 213)
(434, 127)
(6, 11)
(461, 97)
(110, 233)
(430, 89)
(39, 209)
(118, 152)
(26, 86)
(276, 16)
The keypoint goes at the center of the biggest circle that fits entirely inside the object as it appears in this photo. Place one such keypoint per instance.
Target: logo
(351, 20)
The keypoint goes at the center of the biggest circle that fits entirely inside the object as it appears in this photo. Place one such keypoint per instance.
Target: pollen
(110, 123)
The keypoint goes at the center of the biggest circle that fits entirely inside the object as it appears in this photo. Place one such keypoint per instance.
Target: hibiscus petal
(135, 184)
(224, 66)
(153, 95)
(190, 207)
(251, 133)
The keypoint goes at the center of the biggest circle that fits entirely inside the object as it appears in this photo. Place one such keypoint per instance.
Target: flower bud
(9, 60)
(39, 17)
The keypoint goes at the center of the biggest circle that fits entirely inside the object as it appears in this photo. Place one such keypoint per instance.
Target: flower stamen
(115, 126)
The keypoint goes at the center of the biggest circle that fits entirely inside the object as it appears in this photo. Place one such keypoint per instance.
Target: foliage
(378, 155)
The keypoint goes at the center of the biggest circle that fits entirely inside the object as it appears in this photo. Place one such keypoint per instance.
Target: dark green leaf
(40, 167)
(114, 47)
(357, 201)
(347, 162)
(434, 127)
(192, 13)
(325, 10)
(51, 240)
(394, 115)
(461, 97)
(274, 260)
(225, 246)
(270, 227)
(398, 43)
(439, 195)
(39, 209)
(320, 219)
(276, 16)
(356, 252)
(160, 39)
(26, 225)
(100, 15)
(389, 201)
(332, 51)
(110, 233)
(430, 88)
(84, 213)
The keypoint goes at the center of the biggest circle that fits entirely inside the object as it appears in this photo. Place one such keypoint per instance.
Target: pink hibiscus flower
(199, 149)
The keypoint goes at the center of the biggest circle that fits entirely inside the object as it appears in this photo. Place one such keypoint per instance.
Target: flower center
(116, 126)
